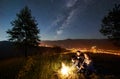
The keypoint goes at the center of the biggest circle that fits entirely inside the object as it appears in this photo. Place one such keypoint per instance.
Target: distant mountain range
(82, 43)
(7, 50)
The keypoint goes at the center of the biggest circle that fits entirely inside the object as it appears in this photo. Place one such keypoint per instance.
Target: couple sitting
(83, 63)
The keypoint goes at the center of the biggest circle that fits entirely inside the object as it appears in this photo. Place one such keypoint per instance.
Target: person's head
(87, 56)
(78, 53)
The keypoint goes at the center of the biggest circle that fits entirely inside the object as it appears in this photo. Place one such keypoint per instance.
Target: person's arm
(81, 66)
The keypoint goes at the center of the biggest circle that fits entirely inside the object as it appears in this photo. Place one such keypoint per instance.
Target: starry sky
(59, 19)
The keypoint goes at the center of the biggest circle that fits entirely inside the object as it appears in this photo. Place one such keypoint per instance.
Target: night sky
(59, 19)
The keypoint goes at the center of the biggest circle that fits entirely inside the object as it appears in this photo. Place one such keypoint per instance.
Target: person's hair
(88, 55)
(78, 51)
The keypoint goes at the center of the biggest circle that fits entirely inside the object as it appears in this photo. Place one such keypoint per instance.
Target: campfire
(67, 71)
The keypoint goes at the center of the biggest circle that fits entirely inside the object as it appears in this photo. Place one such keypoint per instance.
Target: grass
(10, 67)
(47, 66)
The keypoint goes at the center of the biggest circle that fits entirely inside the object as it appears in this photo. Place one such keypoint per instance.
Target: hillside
(48, 66)
(6, 49)
(82, 43)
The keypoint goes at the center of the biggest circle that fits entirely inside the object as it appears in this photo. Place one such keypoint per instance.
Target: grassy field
(48, 65)
(10, 67)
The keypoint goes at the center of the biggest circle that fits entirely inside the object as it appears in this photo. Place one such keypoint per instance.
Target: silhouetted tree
(111, 25)
(24, 31)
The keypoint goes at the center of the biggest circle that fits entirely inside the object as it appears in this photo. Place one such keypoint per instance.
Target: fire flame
(65, 70)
